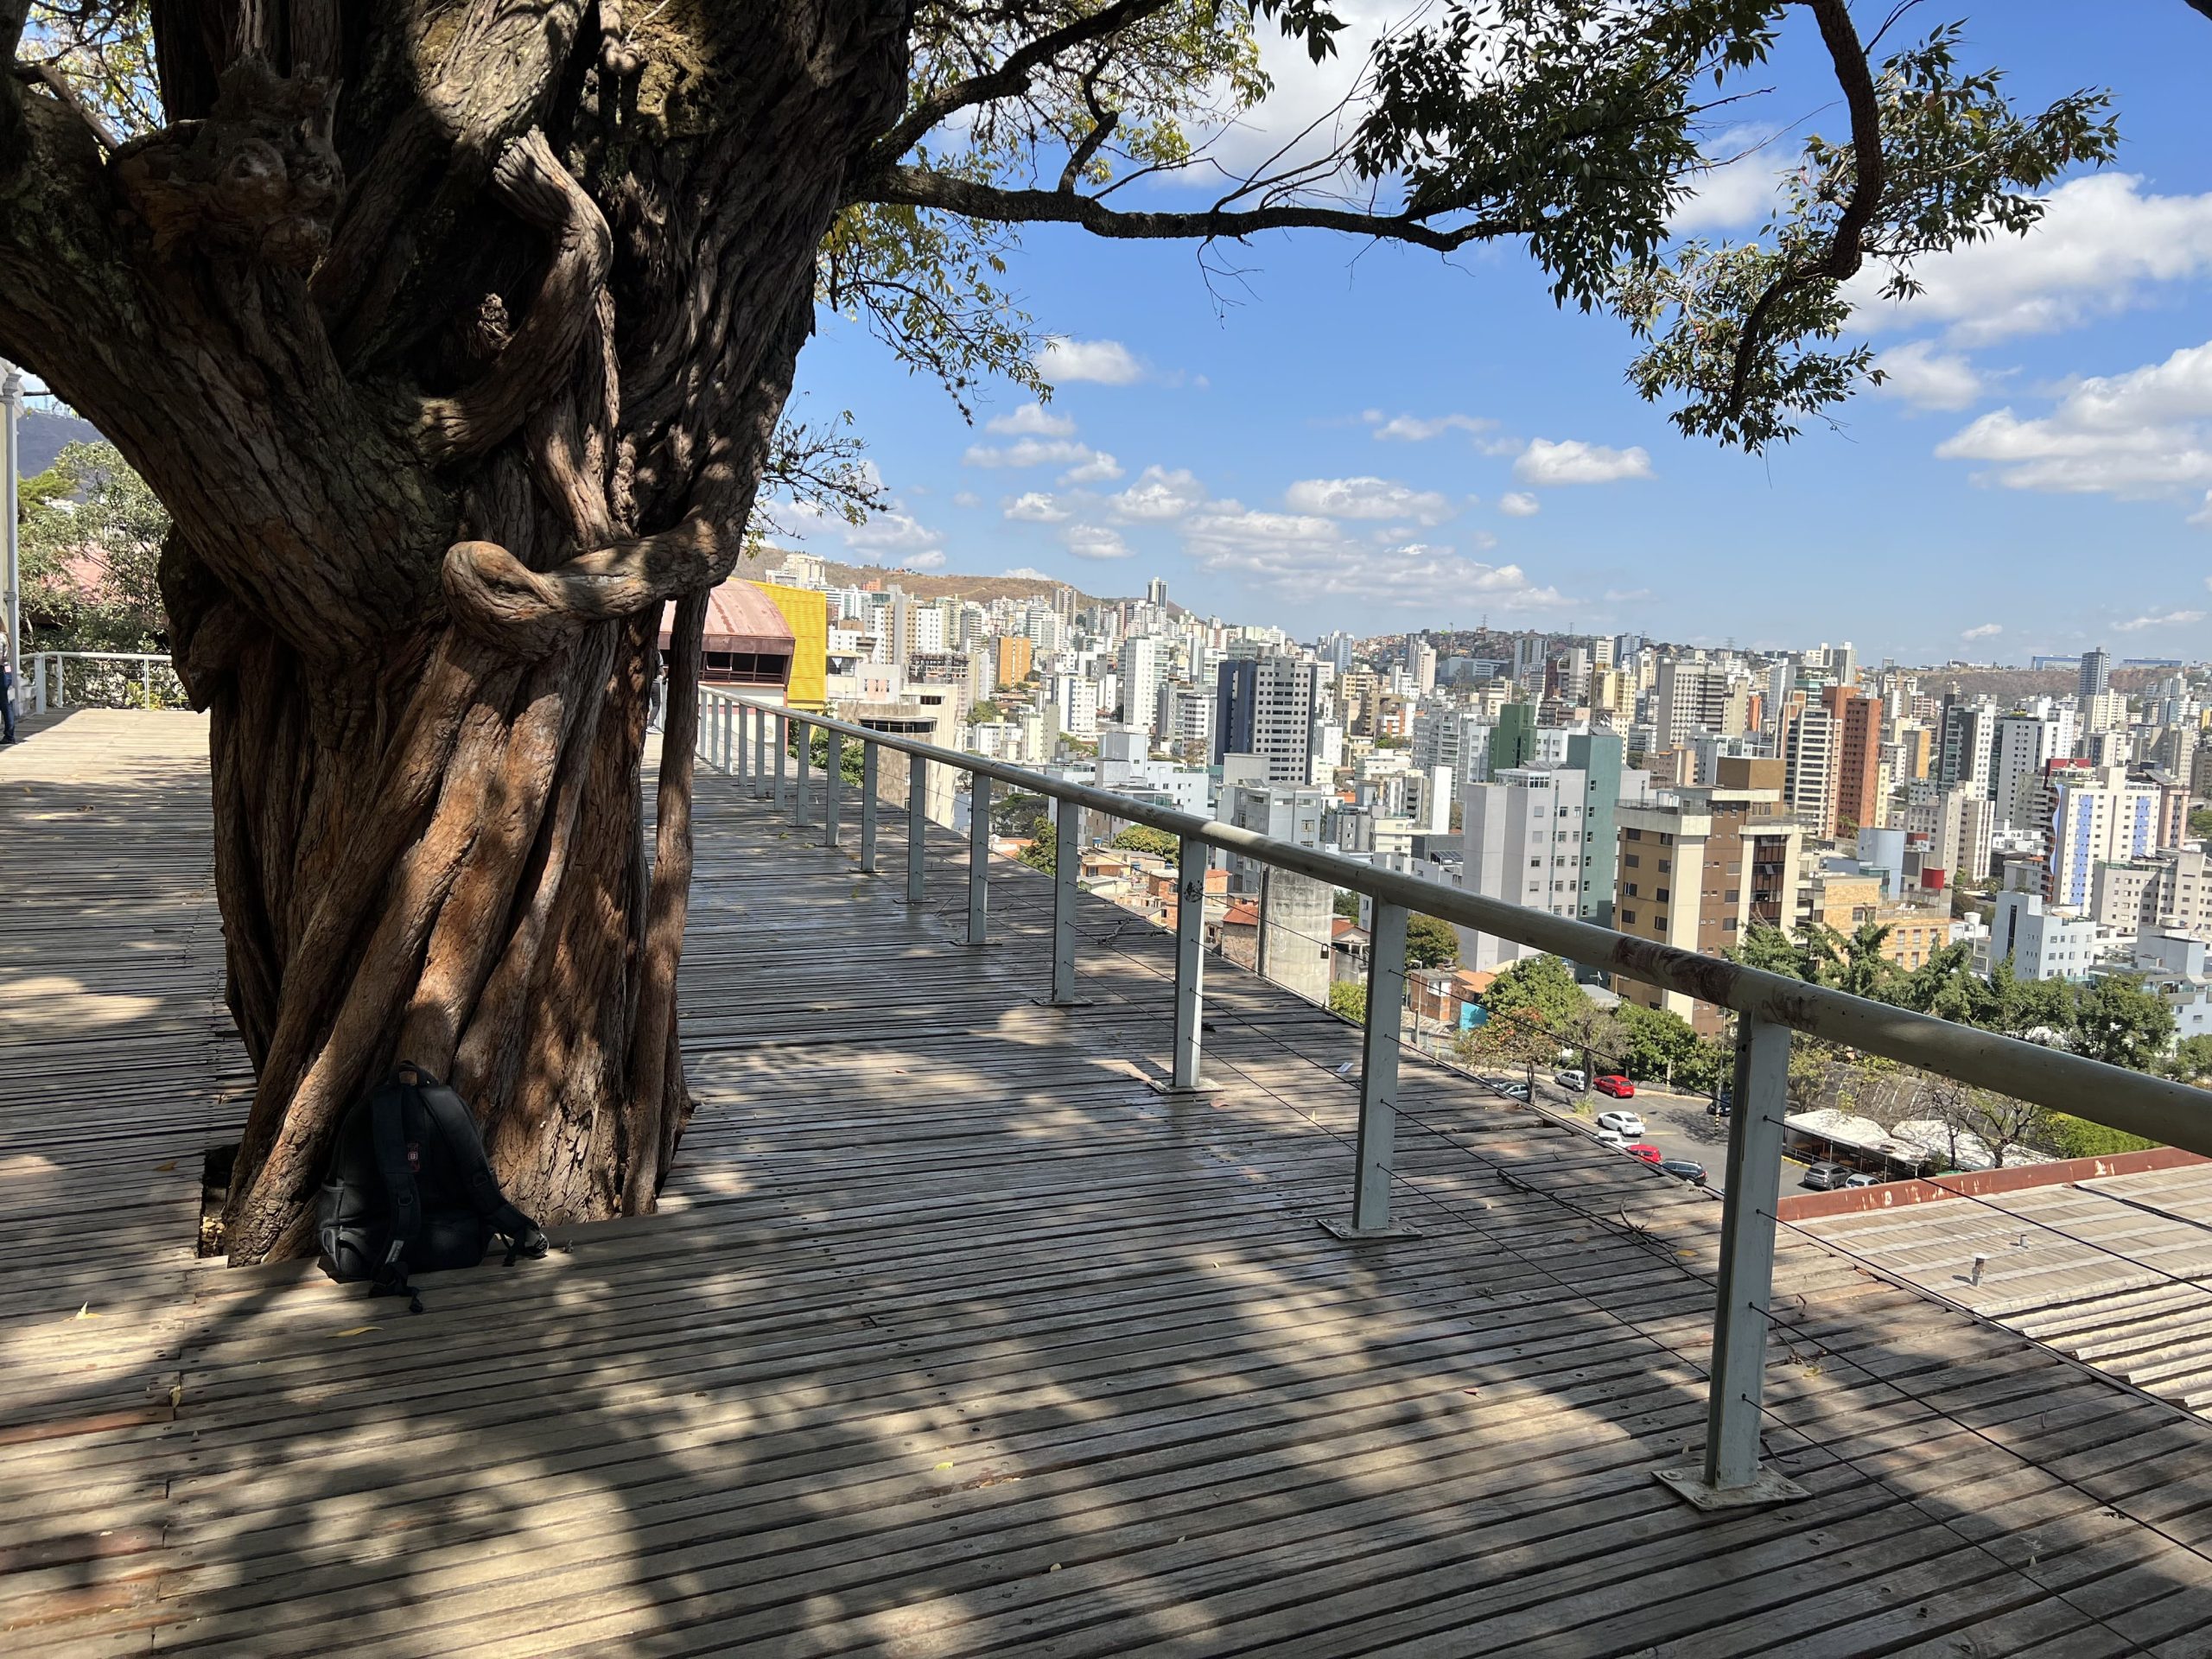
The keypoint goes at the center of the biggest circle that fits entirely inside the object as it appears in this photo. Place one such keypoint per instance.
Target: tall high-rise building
(1698, 867)
(1860, 800)
(1424, 666)
(1513, 738)
(1265, 706)
(1693, 697)
(2096, 813)
(1139, 675)
(1523, 836)
(1597, 757)
(2096, 672)
(1155, 591)
(1808, 747)
(1969, 737)
(1015, 657)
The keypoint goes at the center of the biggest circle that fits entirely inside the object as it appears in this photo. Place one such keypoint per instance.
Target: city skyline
(1374, 440)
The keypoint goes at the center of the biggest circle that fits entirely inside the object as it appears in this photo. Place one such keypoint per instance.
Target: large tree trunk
(451, 379)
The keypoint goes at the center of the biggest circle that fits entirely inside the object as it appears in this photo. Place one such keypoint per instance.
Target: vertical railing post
(979, 857)
(833, 784)
(761, 762)
(1730, 1474)
(779, 736)
(869, 751)
(1067, 860)
(1190, 961)
(146, 678)
(918, 824)
(741, 765)
(1378, 1080)
(802, 803)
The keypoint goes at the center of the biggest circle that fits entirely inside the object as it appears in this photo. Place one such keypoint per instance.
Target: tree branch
(1009, 80)
(916, 186)
(528, 613)
(46, 75)
(1842, 256)
(15, 131)
(531, 180)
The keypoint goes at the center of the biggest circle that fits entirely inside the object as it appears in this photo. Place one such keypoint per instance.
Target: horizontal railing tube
(2158, 1108)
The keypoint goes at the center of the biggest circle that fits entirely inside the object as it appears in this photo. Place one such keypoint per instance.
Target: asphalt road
(1680, 1126)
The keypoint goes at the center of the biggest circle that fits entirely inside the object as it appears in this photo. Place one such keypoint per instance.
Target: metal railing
(97, 679)
(751, 740)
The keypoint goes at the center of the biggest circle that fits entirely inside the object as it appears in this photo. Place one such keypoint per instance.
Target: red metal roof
(740, 617)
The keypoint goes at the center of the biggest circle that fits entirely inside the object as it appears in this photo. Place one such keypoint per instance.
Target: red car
(1642, 1149)
(1618, 1087)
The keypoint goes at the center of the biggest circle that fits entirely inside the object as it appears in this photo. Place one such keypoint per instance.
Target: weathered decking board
(954, 1338)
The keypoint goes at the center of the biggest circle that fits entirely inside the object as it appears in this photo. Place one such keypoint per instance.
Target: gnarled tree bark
(421, 552)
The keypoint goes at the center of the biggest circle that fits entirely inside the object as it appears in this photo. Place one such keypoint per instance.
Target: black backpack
(409, 1188)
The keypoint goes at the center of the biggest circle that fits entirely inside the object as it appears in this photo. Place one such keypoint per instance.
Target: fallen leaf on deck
(86, 1313)
(162, 1169)
(359, 1331)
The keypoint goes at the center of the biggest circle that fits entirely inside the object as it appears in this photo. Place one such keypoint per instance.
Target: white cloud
(2145, 433)
(2100, 244)
(2158, 619)
(966, 498)
(1308, 557)
(1367, 497)
(1926, 378)
(1742, 190)
(1987, 630)
(1158, 495)
(1095, 542)
(1573, 461)
(895, 531)
(1033, 420)
(1034, 508)
(1101, 469)
(1027, 573)
(1107, 361)
(932, 560)
(1028, 452)
(1518, 503)
(1412, 428)
(2203, 515)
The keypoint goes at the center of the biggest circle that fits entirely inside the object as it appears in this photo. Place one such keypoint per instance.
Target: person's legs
(6, 705)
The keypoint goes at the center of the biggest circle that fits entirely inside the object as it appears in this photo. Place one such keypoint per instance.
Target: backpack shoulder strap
(388, 1137)
(465, 1143)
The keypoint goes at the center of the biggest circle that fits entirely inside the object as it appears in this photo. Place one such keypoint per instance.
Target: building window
(1661, 895)
(1628, 919)
(1633, 835)
(1630, 859)
(1733, 894)
(1665, 865)
(1631, 891)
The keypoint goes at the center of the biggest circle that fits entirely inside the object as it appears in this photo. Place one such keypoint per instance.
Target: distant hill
(41, 436)
(2011, 684)
(924, 585)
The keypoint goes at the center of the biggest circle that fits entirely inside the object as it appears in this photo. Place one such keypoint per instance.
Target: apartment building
(1698, 867)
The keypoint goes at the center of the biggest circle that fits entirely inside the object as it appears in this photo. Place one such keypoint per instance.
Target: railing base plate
(1047, 1002)
(1345, 1230)
(1206, 1089)
(1688, 1483)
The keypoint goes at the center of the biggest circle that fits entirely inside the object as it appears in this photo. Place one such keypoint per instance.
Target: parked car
(1645, 1150)
(1863, 1180)
(1572, 1078)
(1612, 1138)
(1683, 1169)
(1618, 1087)
(1724, 1101)
(1827, 1176)
(1627, 1125)
(1515, 1090)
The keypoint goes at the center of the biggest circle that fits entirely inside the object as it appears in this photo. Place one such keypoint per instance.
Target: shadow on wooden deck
(955, 1338)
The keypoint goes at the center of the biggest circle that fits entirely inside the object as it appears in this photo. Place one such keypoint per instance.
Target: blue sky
(1372, 438)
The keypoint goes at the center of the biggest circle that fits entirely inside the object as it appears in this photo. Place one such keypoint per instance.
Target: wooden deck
(954, 1338)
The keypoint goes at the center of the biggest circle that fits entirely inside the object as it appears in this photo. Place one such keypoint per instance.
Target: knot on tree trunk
(257, 177)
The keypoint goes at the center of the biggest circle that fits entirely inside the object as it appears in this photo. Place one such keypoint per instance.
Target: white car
(1573, 1079)
(1612, 1138)
(1627, 1125)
